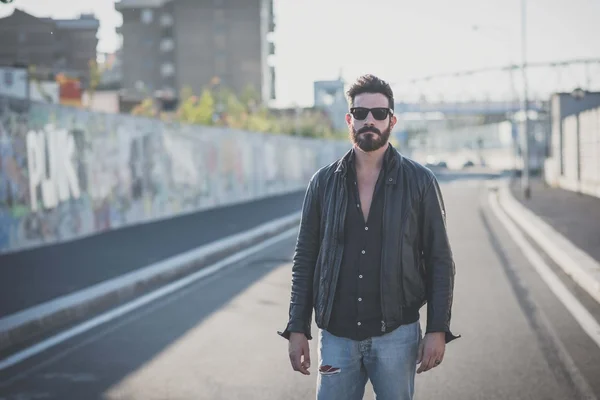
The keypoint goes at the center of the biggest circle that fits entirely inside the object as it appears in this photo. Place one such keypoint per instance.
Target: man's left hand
(431, 351)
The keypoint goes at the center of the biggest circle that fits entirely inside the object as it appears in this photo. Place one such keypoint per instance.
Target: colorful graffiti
(66, 173)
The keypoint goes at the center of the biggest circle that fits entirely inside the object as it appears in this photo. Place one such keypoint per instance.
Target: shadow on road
(31, 277)
(125, 346)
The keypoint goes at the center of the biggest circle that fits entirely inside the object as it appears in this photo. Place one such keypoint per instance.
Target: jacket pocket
(413, 283)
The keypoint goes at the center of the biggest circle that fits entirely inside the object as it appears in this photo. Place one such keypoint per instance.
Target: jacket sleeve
(439, 262)
(305, 259)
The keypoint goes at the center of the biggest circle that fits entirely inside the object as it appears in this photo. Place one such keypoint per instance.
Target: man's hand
(299, 352)
(431, 351)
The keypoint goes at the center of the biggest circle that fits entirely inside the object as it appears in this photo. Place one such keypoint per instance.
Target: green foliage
(194, 110)
(145, 109)
(222, 107)
(95, 77)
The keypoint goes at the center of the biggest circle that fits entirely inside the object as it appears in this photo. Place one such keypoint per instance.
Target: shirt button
(360, 276)
(363, 252)
(366, 228)
(358, 323)
(358, 205)
(360, 299)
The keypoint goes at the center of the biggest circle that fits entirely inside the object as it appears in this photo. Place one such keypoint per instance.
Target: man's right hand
(299, 352)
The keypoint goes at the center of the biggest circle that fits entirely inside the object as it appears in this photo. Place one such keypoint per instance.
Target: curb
(581, 267)
(27, 326)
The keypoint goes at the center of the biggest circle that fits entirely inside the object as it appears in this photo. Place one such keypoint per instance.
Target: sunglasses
(379, 113)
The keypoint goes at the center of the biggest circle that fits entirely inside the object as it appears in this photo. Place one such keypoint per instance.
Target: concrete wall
(575, 144)
(67, 173)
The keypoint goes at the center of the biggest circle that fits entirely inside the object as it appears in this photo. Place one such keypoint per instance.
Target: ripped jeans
(389, 361)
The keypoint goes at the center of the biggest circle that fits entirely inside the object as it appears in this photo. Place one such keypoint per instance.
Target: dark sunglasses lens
(380, 113)
(360, 113)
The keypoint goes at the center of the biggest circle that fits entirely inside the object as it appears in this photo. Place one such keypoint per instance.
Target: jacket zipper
(402, 227)
(383, 308)
(336, 256)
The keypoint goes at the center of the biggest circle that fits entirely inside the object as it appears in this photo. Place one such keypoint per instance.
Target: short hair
(370, 84)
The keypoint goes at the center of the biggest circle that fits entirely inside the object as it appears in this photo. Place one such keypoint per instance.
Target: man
(371, 251)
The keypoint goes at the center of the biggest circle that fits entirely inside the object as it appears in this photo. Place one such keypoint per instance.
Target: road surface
(217, 338)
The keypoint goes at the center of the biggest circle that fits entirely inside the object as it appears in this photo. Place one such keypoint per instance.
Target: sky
(399, 40)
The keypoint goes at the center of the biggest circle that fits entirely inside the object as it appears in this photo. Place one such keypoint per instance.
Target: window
(167, 69)
(147, 16)
(166, 20)
(167, 45)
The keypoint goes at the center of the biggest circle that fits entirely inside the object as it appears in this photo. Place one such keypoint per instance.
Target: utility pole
(525, 174)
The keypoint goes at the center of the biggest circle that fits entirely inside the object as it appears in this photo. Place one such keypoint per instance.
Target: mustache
(372, 129)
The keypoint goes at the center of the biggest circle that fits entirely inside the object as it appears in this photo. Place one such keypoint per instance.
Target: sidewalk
(573, 215)
(565, 225)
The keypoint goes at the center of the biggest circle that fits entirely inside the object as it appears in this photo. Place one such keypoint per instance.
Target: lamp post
(525, 184)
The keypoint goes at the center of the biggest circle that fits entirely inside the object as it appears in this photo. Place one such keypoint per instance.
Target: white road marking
(577, 310)
(582, 268)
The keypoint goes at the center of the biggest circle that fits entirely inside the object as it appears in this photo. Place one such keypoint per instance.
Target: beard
(374, 140)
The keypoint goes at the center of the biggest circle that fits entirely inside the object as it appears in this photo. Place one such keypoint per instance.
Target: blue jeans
(389, 361)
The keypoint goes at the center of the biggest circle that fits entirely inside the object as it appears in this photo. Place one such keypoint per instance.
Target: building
(53, 46)
(330, 96)
(171, 44)
(574, 148)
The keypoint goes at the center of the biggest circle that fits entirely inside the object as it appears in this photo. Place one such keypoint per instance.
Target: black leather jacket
(417, 262)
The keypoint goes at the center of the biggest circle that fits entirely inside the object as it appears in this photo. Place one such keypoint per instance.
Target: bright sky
(401, 39)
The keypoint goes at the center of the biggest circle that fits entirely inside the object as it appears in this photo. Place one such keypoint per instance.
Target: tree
(194, 110)
(145, 109)
(205, 109)
(250, 98)
(236, 113)
(243, 112)
(95, 76)
(187, 105)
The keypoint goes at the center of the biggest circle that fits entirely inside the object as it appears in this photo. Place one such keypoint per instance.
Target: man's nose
(370, 120)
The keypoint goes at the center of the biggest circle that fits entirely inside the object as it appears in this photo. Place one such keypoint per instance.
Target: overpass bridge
(469, 108)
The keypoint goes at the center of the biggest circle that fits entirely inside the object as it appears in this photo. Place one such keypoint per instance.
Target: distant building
(330, 97)
(171, 44)
(53, 46)
(111, 67)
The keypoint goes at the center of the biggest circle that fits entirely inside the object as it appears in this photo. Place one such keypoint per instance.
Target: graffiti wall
(67, 173)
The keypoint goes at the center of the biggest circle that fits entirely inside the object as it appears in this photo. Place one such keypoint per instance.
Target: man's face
(370, 134)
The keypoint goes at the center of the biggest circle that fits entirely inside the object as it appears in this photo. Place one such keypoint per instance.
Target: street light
(525, 175)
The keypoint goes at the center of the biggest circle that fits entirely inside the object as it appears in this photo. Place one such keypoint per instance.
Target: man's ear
(348, 119)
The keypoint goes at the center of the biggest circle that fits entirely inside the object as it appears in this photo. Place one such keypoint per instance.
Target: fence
(67, 173)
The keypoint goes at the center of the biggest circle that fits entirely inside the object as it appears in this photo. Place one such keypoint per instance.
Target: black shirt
(356, 312)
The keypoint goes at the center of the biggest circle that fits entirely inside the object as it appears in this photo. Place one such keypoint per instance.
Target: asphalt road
(31, 277)
(217, 338)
